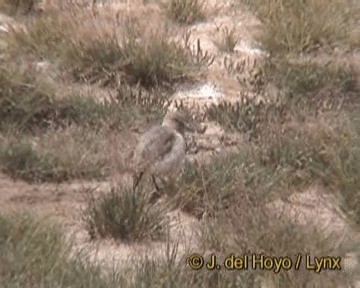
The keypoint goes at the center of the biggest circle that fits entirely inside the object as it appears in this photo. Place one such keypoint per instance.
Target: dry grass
(24, 98)
(310, 136)
(125, 215)
(72, 133)
(58, 155)
(266, 236)
(28, 244)
(148, 60)
(16, 7)
(97, 52)
(34, 253)
(228, 40)
(251, 228)
(309, 89)
(281, 162)
(185, 11)
(206, 189)
(296, 26)
(20, 160)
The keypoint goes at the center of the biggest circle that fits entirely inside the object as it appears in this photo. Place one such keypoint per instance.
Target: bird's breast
(173, 160)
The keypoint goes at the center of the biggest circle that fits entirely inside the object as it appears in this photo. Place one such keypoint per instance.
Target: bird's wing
(155, 144)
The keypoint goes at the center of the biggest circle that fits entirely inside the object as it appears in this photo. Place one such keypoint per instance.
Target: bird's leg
(155, 184)
(156, 194)
(137, 179)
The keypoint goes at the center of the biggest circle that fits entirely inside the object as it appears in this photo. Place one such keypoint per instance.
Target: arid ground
(276, 172)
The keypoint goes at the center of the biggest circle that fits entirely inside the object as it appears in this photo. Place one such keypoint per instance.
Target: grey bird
(161, 150)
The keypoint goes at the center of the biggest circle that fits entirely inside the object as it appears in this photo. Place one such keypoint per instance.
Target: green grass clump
(34, 253)
(126, 215)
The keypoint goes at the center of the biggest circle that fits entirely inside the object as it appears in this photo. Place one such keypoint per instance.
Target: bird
(161, 150)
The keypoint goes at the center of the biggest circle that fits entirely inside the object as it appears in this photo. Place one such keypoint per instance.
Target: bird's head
(183, 121)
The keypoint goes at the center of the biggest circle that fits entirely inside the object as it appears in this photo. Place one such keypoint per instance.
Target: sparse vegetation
(305, 153)
(292, 145)
(283, 160)
(23, 99)
(175, 273)
(28, 244)
(228, 40)
(29, 102)
(70, 146)
(256, 227)
(186, 11)
(34, 253)
(44, 39)
(15, 7)
(21, 160)
(306, 137)
(124, 214)
(295, 26)
(151, 61)
(206, 189)
(58, 156)
(309, 89)
(107, 58)
(250, 118)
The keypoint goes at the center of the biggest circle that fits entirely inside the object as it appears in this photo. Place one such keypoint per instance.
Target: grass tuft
(34, 253)
(124, 214)
(100, 54)
(16, 7)
(205, 189)
(295, 26)
(186, 11)
(310, 89)
(228, 40)
(29, 102)
(57, 155)
(21, 160)
(135, 59)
